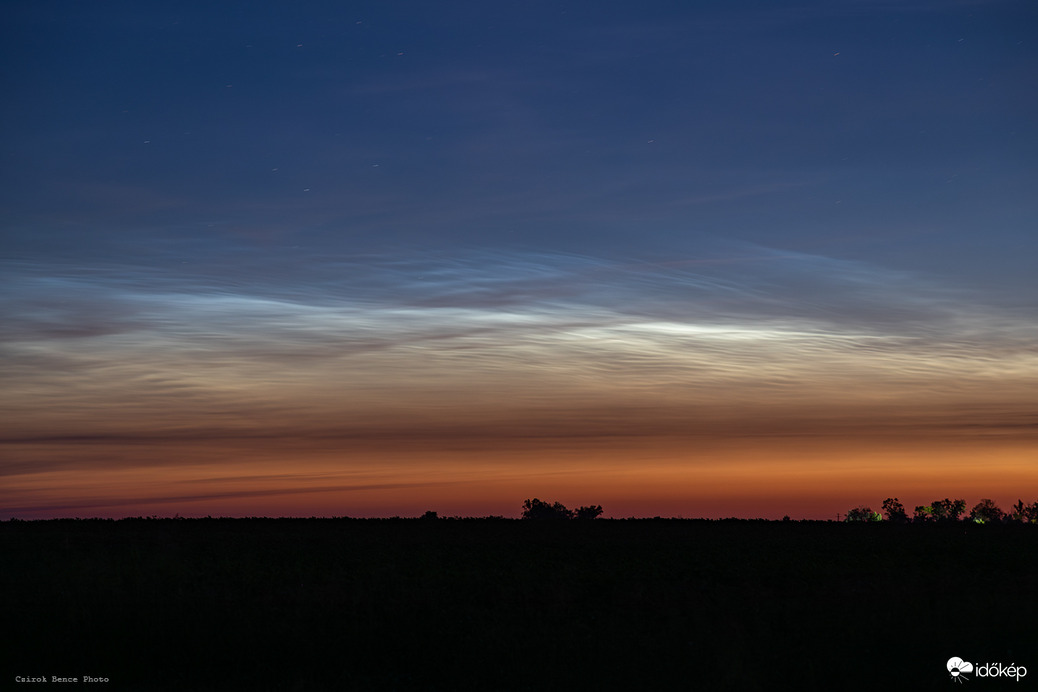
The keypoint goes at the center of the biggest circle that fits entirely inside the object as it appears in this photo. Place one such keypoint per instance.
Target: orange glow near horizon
(767, 477)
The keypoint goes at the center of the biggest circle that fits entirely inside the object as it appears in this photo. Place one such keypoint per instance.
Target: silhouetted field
(331, 604)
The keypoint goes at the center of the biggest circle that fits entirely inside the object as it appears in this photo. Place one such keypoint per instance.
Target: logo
(958, 668)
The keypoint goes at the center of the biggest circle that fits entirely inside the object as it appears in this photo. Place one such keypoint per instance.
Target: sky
(708, 259)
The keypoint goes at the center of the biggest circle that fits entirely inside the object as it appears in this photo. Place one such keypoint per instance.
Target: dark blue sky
(896, 132)
(605, 204)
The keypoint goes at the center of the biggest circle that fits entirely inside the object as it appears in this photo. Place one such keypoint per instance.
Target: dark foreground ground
(334, 604)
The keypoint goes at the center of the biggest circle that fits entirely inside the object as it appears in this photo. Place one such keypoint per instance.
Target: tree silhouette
(948, 510)
(894, 510)
(1025, 513)
(538, 509)
(986, 511)
(862, 514)
(589, 512)
(1031, 513)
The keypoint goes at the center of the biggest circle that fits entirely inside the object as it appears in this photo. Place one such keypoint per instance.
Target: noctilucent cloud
(697, 259)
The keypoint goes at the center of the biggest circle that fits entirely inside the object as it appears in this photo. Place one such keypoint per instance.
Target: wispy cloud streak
(470, 337)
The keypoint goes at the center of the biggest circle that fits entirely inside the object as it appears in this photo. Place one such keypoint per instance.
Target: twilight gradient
(373, 259)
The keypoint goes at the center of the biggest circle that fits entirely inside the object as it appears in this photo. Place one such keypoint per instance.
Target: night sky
(375, 258)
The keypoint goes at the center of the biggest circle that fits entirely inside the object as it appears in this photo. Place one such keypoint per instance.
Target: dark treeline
(947, 510)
